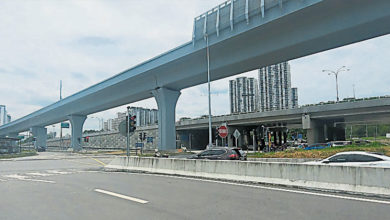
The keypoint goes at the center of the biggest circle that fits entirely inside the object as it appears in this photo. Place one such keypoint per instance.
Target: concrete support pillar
(280, 138)
(230, 137)
(275, 138)
(76, 122)
(316, 132)
(166, 101)
(40, 133)
(285, 137)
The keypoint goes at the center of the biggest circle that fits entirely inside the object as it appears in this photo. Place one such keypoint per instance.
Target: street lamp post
(336, 74)
(209, 89)
(101, 121)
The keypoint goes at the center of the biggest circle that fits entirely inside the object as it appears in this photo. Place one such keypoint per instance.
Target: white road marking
(39, 174)
(121, 196)
(24, 178)
(58, 172)
(277, 189)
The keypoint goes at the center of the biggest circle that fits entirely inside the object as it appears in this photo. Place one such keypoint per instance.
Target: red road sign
(223, 131)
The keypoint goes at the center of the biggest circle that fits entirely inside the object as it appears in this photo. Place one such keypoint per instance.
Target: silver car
(355, 158)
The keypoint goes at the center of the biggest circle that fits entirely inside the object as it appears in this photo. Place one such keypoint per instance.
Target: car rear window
(364, 158)
(236, 151)
(217, 152)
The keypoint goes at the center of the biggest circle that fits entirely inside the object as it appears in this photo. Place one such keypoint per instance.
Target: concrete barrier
(283, 160)
(365, 180)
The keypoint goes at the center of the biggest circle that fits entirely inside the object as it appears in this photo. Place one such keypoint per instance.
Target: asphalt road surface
(65, 186)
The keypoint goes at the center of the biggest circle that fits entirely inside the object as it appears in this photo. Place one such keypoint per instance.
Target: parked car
(356, 158)
(41, 148)
(221, 153)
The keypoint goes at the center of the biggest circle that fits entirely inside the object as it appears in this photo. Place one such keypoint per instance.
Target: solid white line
(121, 196)
(277, 189)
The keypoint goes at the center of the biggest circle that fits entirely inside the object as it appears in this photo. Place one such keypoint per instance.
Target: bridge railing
(229, 13)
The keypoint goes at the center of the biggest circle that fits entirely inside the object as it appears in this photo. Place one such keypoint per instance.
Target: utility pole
(61, 121)
(354, 95)
(208, 84)
(336, 74)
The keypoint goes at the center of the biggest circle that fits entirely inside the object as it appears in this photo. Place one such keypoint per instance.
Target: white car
(355, 158)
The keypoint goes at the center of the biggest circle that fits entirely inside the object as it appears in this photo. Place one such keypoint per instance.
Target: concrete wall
(109, 140)
(365, 180)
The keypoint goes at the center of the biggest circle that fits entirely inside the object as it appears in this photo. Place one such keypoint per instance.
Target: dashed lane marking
(121, 196)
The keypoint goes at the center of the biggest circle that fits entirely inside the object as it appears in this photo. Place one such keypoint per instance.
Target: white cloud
(85, 42)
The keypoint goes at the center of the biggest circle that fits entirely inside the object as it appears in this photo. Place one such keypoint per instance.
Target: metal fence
(9, 145)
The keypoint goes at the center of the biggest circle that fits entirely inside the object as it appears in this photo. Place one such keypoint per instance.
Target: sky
(85, 42)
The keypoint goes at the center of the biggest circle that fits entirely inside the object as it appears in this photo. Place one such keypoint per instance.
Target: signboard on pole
(64, 125)
(223, 131)
(236, 134)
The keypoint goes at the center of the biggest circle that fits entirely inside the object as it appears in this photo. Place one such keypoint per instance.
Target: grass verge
(323, 153)
(23, 154)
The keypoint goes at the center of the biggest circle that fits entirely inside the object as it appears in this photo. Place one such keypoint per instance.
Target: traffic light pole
(128, 131)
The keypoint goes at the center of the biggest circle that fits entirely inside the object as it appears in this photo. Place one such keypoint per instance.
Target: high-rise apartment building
(294, 97)
(275, 88)
(4, 117)
(243, 93)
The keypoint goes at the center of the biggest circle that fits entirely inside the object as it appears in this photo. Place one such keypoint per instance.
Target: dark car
(221, 153)
(41, 148)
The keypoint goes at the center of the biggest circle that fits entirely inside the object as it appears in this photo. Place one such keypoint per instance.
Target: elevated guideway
(243, 35)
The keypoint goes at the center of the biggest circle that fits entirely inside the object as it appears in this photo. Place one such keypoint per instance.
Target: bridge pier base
(316, 132)
(40, 133)
(76, 122)
(166, 101)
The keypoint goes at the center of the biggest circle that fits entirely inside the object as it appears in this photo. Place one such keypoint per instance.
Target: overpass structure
(243, 35)
(323, 122)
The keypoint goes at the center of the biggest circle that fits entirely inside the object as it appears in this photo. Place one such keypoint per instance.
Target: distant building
(4, 117)
(294, 97)
(144, 117)
(275, 88)
(243, 94)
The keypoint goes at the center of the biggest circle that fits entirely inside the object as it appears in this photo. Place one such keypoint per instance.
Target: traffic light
(132, 123)
(142, 136)
(86, 139)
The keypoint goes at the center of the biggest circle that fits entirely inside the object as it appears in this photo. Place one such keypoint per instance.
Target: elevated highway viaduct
(322, 122)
